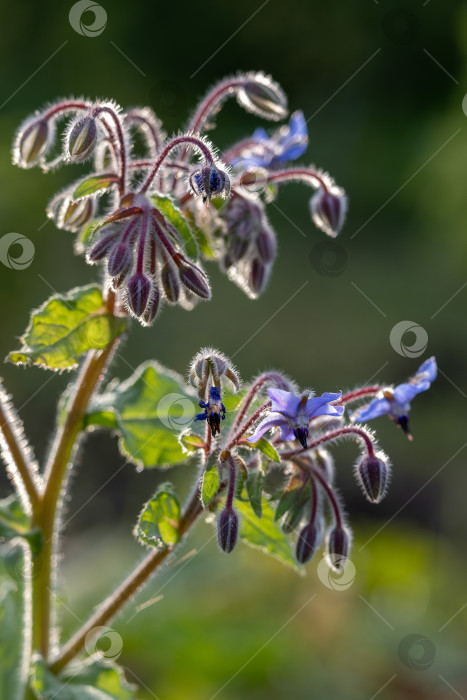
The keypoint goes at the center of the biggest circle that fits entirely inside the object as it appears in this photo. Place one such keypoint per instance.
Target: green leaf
(265, 447)
(94, 184)
(292, 504)
(158, 521)
(15, 523)
(14, 623)
(93, 680)
(148, 410)
(254, 487)
(210, 484)
(264, 533)
(67, 326)
(175, 217)
(192, 442)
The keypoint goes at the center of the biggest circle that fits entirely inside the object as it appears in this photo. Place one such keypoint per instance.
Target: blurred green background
(383, 84)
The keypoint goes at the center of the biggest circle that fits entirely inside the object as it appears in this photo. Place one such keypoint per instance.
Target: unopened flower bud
(170, 282)
(120, 260)
(338, 547)
(258, 277)
(263, 97)
(138, 288)
(372, 473)
(76, 214)
(307, 542)
(236, 250)
(194, 279)
(32, 143)
(328, 209)
(209, 362)
(210, 181)
(227, 529)
(102, 247)
(266, 244)
(152, 307)
(82, 139)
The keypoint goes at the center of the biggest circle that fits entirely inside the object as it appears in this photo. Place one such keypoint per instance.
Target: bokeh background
(383, 84)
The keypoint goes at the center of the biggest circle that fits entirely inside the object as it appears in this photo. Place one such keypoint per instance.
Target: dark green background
(385, 137)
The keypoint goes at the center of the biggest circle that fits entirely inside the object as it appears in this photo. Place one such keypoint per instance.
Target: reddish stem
(333, 435)
(291, 174)
(120, 139)
(254, 389)
(254, 417)
(65, 107)
(357, 394)
(194, 143)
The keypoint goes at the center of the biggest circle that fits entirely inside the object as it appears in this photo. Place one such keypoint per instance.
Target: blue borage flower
(287, 143)
(214, 410)
(292, 414)
(395, 401)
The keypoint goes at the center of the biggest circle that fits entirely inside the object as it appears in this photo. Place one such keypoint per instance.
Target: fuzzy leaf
(148, 410)
(265, 447)
(158, 521)
(192, 442)
(210, 484)
(264, 533)
(174, 216)
(94, 184)
(254, 487)
(14, 625)
(94, 680)
(65, 327)
(15, 523)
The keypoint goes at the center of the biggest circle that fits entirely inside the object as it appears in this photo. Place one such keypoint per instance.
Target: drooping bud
(82, 139)
(266, 244)
(308, 541)
(210, 181)
(338, 547)
(138, 288)
(209, 366)
(31, 143)
(372, 473)
(263, 97)
(194, 279)
(152, 307)
(328, 209)
(227, 529)
(102, 247)
(236, 250)
(120, 260)
(75, 215)
(258, 277)
(170, 283)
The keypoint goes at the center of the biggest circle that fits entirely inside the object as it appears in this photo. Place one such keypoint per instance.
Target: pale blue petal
(429, 369)
(271, 421)
(284, 402)
(376, 408)
(404, 393)
(319, 405)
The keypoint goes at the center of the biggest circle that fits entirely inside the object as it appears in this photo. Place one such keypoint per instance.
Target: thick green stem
(48, 510)
(127, 589)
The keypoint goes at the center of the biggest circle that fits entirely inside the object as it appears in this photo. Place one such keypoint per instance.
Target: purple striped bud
(307, 543)
(31, 144)
(170, 283)
(328, 209)
(258, 277)
(227, 529)
(338, 547)
(82, 139)
(266, 244)
(138, 288)
(194, 279)
(152, 307)
(76, 214)
(100, 249)
(237, 250)
(263, 97)
(120, 260)
(372, 473)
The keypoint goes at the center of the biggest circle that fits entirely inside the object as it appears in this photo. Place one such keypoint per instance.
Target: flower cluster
(147, 216)
(304, 495)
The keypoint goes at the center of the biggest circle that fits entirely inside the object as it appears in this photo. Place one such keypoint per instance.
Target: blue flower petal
(260, 134)
(272, 420)
(428, 368)
(404, 393)
(320, 405)
(376, 408)
(284, 402)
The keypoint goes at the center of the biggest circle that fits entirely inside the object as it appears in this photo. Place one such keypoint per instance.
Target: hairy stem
(236, 437)
(127, 589)
(178, 141)
(278, 379)
(316, 474)
(358, 394)
(333, 435)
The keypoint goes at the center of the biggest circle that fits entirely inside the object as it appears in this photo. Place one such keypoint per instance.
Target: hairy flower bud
(210, 363)
(74, 215)
(227, 529)
(138, 289)
(210, 181)
(266, 244)
(307, 542)
(194, 279)
(372, 473)
(263, 97)
(338, 547)
(82, 139)
(258, 277)
(170, 283)
(152, 307)
(102, 247)
(32, 143)
(120, 260)
(328, 209)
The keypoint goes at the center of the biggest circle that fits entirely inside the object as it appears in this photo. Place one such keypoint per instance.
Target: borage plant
(148, 218)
